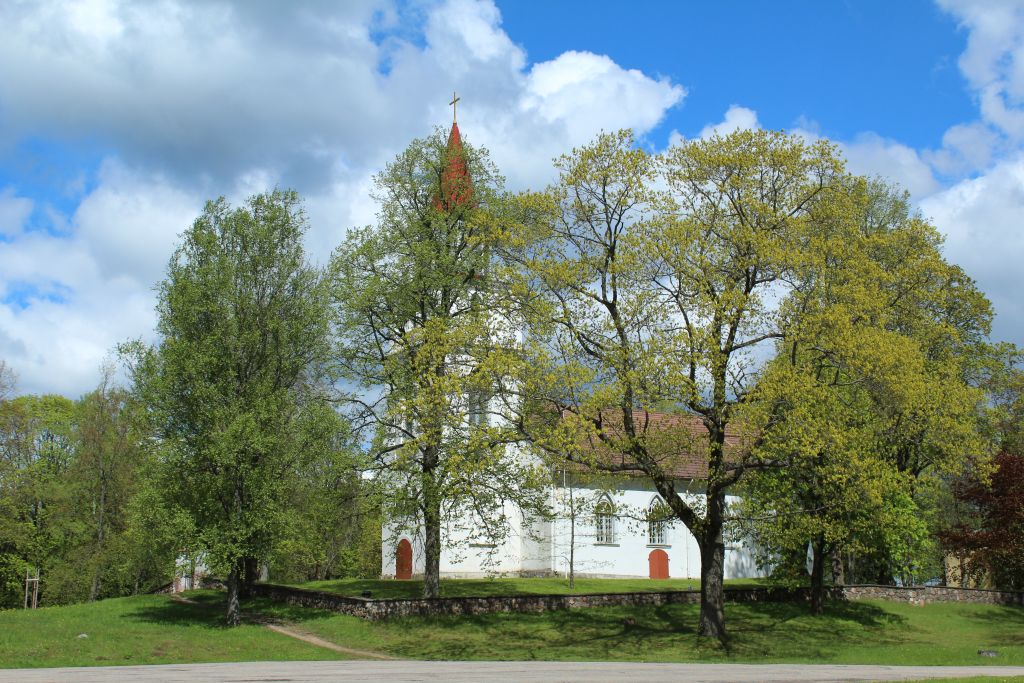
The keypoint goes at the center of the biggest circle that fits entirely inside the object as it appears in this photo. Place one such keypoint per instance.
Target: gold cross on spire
(455, 100)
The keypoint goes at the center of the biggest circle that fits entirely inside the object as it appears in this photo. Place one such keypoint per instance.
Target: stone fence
(369, 608)
(920, 595)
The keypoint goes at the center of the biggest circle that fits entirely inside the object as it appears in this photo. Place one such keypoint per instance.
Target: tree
(984, 520)
(333, 523)
(991, 540)
(235, 387)
(37, 448)
(105, 474)
(844, 370)
(425, 346)
(639, 298)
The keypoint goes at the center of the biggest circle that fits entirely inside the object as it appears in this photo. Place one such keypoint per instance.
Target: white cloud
(736, 118)
(590, 92)
(130, 223)
(981, 219)
(993, 62)
(871, 154)
(193, 100)
(14, 212)
(966, 147)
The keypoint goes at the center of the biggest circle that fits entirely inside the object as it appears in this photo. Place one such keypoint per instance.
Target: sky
(119, 119)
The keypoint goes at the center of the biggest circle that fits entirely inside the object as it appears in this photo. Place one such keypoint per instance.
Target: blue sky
(119, 118)
(889, 67)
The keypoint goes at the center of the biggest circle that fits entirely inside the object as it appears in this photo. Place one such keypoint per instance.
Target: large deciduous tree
(235, 386)
(638, 298)
(847, 367)
(424, 341)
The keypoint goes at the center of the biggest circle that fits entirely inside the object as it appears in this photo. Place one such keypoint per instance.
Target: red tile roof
(678, 442)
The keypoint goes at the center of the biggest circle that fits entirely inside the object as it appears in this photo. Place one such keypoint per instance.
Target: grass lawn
(452, 588)
(147, 629)
(154, 629)
(850, 633)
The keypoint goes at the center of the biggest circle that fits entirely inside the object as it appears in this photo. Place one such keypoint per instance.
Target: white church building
(599, 526)
(607, 538)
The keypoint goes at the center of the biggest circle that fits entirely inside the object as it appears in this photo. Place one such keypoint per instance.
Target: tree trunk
(838, 573)
(431, 526)
(234, 616)
(712, 571)
(250, 575)
(818, 575)
(432, 551)
(885, 573)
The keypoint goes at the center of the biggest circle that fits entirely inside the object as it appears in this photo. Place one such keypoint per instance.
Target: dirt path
(292, 631)
(307, 637)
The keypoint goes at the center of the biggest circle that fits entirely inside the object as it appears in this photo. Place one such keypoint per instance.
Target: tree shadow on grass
(207, 612)
(757, 631)
(787, 631)
(208, 608)
(1006, 623)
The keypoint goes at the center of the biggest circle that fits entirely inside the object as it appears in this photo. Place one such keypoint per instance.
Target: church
(599, 527)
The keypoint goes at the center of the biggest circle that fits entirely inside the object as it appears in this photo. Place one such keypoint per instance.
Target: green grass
(154, 630)
(452, 588)
(147, 629)
(849, 633)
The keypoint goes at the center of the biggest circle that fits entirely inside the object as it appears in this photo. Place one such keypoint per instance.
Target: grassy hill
(868, 632)
(155, 629)
(147, 629)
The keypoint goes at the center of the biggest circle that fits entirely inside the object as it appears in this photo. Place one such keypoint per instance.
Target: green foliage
(428, 349)
(37, 449)
(71, 473)
(333, 522)
(652, 281)
(235, 388)
(869, 393)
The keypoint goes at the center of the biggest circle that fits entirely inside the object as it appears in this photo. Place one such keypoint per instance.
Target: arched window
(657, 515)
(604, 522)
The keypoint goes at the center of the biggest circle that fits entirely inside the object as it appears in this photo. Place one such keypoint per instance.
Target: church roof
(677, 441)
(456, 187)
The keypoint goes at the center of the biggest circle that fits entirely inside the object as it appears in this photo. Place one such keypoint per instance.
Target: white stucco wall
(539, 547)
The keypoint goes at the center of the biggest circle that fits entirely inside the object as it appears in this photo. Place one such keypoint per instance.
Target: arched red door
(657, 562)
(403, 560)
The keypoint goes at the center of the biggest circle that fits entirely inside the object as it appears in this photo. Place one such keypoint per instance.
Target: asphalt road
(459, 672)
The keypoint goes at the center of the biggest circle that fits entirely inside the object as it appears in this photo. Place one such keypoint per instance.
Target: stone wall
(368, 608)
(924, 594)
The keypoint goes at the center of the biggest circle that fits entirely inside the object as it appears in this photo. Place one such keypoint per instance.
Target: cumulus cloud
(993, 62)
(871, 154)
(981, 220)
(736, 118)
(192, 100)
(14, 212)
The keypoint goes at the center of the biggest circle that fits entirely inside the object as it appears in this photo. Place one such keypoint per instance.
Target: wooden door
(657, 562)
(403, 560)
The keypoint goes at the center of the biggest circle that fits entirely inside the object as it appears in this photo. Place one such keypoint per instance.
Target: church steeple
(456, 185)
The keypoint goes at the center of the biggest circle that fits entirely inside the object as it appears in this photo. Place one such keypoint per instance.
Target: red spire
(456, 185)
